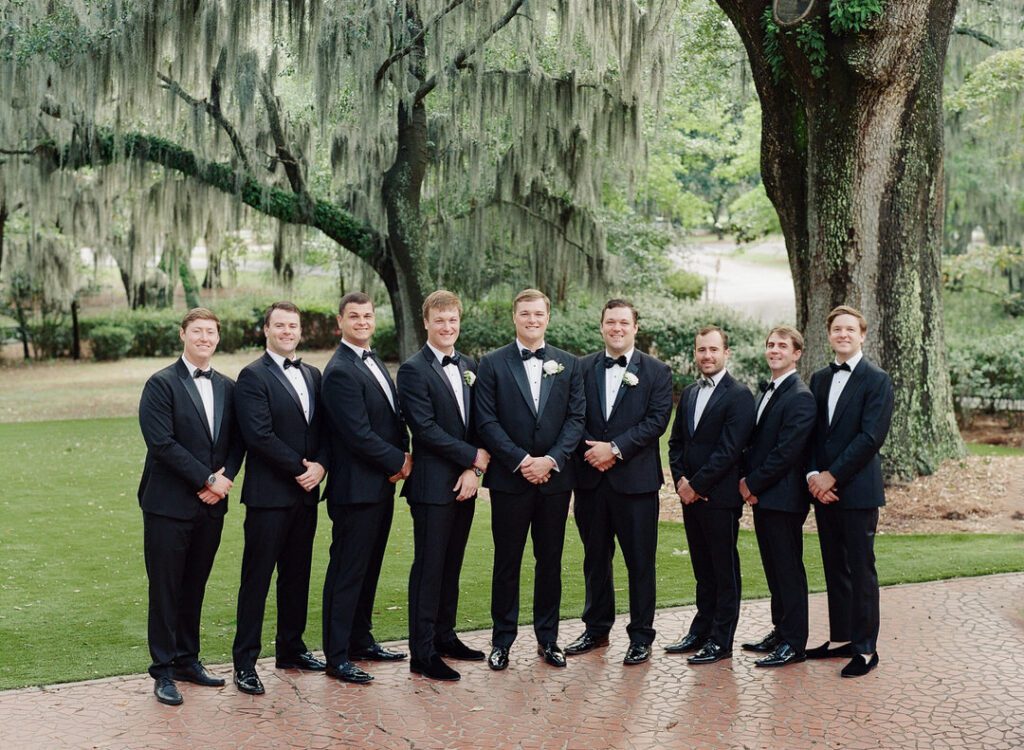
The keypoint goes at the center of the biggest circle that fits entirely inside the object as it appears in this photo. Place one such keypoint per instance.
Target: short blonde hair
(199, 313)
(442, 299)
(846, 310)
(789, 332)
(529, 295)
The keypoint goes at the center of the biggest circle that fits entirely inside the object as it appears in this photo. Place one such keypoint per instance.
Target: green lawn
(984, 449)
(73, 584)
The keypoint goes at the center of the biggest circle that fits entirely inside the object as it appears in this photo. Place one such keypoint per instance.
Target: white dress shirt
(534, 372)
(371, 364)
(704, 395)
(451, 371)
(839, 381)
(205, 388)
(294, 376)
(766, 397)
(613, 381)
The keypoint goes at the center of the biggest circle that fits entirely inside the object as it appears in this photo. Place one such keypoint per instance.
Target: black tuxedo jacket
(773, 463)
(276, 434)
(510, 428)
(368, 439)
(639, 417)
(848, 448)
(442, 444)
(709, 456)
(181, 452)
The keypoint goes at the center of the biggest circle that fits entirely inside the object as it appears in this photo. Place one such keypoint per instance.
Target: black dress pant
(780, 539)
(847, 539)
(359, 536)
(602, 515)
(711, 534)
(179, 556)
(440, 533)
(512, 517)
(281, 538)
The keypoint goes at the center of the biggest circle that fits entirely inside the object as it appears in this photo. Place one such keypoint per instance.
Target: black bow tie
(767, 386)
(706, 382)
(610, 362)
(367, 354)
(450, 360)
(527, 355)
(208, 374)
(292, 363)
(836, 368)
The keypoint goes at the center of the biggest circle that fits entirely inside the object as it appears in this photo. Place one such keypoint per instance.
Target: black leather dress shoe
(456, 649)
(764, 646)
(376, 652)
(824, 652)
(434, 668)
(552, 654)
(167, 692)
(637, 653)
(196, 672)
(586, 642)
(709, 653)
(688, 642)
(348, 672)
(858, 666)
(248, 682)
(498, 660)
(306, 662)
(782, 655)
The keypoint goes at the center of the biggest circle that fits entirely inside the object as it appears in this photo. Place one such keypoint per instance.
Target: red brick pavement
(951, 676)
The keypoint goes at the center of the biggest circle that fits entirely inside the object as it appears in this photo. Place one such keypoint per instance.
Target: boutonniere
(630, 379)
(551, 367)
(469, 377)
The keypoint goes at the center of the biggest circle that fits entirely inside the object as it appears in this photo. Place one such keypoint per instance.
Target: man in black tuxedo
(529, 415)
(855, 400)
(368, 454)
(773, 485)
(193, 452)
(435, 388)
(711, 428)
(276, 401)
(629, 403)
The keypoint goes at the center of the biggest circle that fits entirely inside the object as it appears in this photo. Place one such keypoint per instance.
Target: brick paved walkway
(923, 695)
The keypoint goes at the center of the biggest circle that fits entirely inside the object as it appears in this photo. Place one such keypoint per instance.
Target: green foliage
(811, 41)
(772, 48)
(990, 368)
(752, 215)
(853, 16)
(641, 247)
(189, 283)
(684, 285)
(110, 342)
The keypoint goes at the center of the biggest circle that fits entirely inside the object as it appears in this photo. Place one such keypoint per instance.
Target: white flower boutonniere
(469, 377)
(551, 367)
(629, 379)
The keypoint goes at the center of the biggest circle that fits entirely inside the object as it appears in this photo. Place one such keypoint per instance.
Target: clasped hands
(537, 469)
(312, 476)
(468, 482)
(686, 493)
(600, 455)
(220, 489)
(823, 487)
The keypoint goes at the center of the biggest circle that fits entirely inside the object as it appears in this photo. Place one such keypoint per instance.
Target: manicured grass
(73, 583)
(984, 449)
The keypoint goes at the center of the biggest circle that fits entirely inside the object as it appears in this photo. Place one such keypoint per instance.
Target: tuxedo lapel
(466, 396)
(515, 366)
(691, 408)
(853, 385)
(436, 367)
(716, 396)
(776, 395)
(307, 375)
(218, 405)
(364, 368)
(278, 373)
(547, 382)
(600, 384)
(634, 367)
(190, 388)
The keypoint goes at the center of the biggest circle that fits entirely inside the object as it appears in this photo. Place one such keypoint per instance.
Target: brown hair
(199, 313)
(846, 310)
(442, 299)
(789, 332)
(354, 298)
(529, 295)
(712, 329)
(618, 302)
(286, 306)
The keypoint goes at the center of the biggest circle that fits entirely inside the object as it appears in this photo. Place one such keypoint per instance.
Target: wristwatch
(211, 480)
(477, 472)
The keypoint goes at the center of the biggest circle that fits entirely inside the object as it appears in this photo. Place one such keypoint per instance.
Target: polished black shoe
(376, 652)
(167, 692)
(348, 672)
(586, 642)
(782, 655)
(709, 653)
(498, 660)
(306, 662)
(824, 652)
(688, 642)
(248, 681)
(637, 653)
(764, 646)
(434, 668)
(552, 654)
(456, 649)
(196, 672)
(858, 666)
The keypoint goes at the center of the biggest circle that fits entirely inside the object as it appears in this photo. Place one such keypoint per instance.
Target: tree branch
(981, 36)
(211, 107)
(292, 168)
(415, 42)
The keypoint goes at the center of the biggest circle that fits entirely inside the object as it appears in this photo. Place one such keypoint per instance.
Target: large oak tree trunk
(852, 160)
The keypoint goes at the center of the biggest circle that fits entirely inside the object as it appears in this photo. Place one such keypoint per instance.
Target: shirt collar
(357, 349)
(854, 360)
(717, 377)
(520, 345)
(191, 367)
(438, 353)
(628, 355)
(783, 376)
(277, 358)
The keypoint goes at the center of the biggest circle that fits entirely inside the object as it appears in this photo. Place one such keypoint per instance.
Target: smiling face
(442, 328)
(710, 353)
(618, 329)
(781, 354)
(200, 337)
(357, 323)
(845, 336)
(283, 332)
(531, 320)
